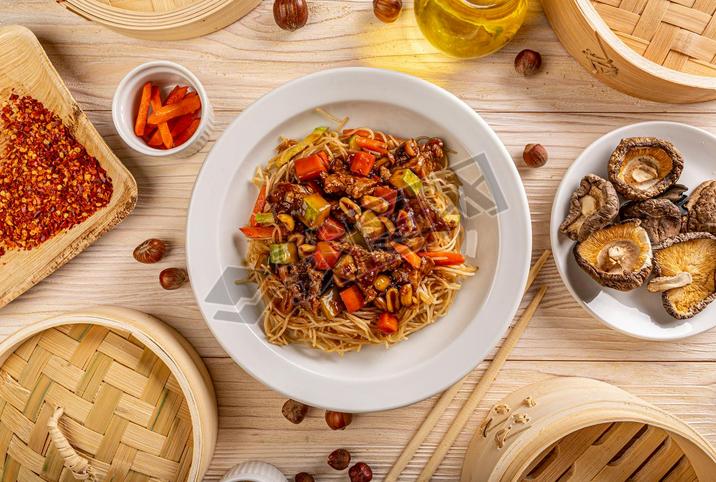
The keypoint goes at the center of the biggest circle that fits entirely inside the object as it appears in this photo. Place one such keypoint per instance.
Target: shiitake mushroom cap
(644, 167)
(694, 253)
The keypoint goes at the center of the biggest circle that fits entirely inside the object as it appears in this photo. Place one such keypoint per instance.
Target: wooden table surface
(563, 108)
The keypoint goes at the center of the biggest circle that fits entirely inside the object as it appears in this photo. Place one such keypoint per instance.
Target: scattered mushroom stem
(665, 283)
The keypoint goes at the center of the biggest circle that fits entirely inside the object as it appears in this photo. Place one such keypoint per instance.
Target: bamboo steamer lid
(580, 430)
(661, 50)
(104, 394)
(162, 19)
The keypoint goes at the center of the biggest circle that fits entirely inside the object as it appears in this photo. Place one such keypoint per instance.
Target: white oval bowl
(374, 378)
(636, 313)
(165, 75)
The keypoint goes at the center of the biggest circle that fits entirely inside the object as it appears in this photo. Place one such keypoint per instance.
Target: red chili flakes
(48, 181)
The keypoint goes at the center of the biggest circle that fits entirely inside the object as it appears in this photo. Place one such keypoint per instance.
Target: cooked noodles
(383, 273)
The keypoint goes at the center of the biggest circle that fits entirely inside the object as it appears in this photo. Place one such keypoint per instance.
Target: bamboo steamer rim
(599, 25)
(564, 406)
(199, 18)
(110, 12)
(170, 347)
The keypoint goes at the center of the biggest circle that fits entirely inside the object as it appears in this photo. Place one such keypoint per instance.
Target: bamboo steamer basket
(162, 20)
(580, 430)
(661, 50)
(104, 394)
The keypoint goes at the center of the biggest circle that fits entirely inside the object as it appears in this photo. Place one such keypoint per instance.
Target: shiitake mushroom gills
(592, 206)
(618, 256)
(685, 269)
(644, 167)
(701, 208)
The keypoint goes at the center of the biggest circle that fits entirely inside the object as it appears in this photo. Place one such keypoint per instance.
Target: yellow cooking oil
(470, 28)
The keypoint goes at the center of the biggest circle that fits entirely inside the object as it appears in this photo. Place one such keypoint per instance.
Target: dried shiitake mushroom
(618, 256)
(660, 217)
(592, 206)
(685, 268)
(676, 194)
(644, 167)
(701, 209)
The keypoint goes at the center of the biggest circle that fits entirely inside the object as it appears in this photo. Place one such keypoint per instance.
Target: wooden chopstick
(449, 395)
(483, 385)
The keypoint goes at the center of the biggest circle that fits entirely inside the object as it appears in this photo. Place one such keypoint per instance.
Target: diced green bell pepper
(408, 181)
(283, 253)
(315, 210)
(297, 148)
(264, 218)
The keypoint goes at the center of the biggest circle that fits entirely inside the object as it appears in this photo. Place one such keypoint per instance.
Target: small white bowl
(165, 75)
(254, 471)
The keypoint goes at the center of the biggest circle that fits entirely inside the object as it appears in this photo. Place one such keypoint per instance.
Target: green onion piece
(264, 218)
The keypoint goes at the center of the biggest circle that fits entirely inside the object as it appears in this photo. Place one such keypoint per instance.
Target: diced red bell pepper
(258, 205)
(352, 299)
(330, 230)
(362, 163)
(444, 258)
(326, 256)
(311, 167)
(258, 232)
(387, 323)
(390, 195)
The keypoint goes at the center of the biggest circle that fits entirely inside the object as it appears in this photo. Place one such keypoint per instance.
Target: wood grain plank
(563, 107)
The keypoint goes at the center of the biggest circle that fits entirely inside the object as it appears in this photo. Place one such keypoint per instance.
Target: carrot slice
(141, 122)
(352, 298)
(444, 258)
(176, 95)
(163, 127)
(408, 255)
(258, 205)
(189, 104)
(180, 124)
(188, 132)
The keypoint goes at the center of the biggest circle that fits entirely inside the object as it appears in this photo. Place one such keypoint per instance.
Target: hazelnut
(535, 155)
(290, 14)
(294, 411)
(303, 477)
(338, 420)
(339, 459)
(173, 278)
(360, 472)
(150, 251)
(387, 11)
(528, 62)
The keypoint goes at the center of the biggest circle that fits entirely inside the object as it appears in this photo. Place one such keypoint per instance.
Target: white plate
(637, 313)
(375, 378)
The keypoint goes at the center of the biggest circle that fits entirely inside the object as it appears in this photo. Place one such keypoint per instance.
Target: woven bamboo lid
(680, 35)
(661, 50)
(120, 411)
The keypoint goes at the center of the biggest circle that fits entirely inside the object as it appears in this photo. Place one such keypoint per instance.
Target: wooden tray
(661, 50)
(162, 20)
(132, 399)
(580, 430)
(25, 68)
